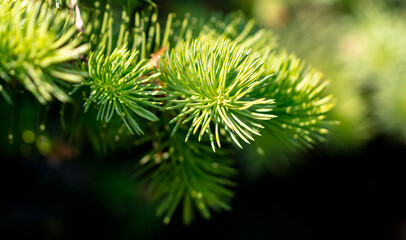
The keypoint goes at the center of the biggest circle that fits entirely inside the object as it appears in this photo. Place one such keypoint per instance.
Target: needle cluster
(210, 84)
(36, 44)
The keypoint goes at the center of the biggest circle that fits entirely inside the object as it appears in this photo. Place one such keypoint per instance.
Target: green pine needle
(36, 42)
(122, 84)
(300, 102)
(209, 84)
(219, 77)
(142, 33)
(190, 175)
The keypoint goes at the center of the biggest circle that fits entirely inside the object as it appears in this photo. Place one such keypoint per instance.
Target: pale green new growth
(209, 83)
(36, 42)
(123, 84)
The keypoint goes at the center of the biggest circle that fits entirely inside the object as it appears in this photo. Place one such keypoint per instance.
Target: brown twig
(155, 57)
(78, 21)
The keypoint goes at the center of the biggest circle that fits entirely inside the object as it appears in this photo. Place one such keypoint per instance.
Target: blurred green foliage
(360, 46)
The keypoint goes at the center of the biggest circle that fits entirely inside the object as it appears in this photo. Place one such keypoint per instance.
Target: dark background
(353, 197)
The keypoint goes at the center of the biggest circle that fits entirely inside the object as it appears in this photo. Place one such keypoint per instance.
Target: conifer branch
(191, 175)
(219, 78)
(209, 83)
(301, 103)
(36, 42)
(122, 84)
